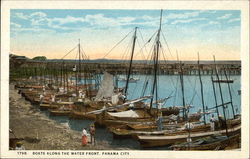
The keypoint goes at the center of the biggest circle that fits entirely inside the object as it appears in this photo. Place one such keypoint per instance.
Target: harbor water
(168, 86)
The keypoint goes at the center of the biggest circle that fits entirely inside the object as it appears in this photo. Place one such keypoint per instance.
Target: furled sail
(125, 114)
(106, 88)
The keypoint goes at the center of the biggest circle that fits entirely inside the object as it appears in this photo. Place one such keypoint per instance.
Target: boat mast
(63, 71)
(79, 62)
(221, 96)
(156, 56)
(230, 94)
(183, 93)
(130, 64)
(67, 79)
(202, 98)
(215, 98)
(62, 74)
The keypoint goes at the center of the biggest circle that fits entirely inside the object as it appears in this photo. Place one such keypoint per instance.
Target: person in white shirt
(212, 123)
(84, 137)
(41, 98)
(52, 98)
(131, 106)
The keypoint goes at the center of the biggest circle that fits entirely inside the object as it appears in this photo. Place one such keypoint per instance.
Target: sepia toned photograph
(98, 82)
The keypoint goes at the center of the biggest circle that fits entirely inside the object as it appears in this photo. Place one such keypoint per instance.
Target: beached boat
(213, 142)
(164, 140)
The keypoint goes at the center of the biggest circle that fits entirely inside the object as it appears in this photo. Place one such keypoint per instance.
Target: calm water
(171, 86)
(168, 86)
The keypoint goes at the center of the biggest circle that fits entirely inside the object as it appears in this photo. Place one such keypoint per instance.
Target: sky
(184, 33)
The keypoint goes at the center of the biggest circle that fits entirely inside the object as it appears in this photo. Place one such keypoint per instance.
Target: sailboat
(140, 111)
(229, 127)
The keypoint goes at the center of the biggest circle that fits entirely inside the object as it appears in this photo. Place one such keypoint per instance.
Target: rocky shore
(41, 133)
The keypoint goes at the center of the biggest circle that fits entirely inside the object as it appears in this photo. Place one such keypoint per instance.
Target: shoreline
(41, 133)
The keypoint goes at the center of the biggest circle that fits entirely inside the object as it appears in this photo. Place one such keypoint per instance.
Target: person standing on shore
(84, 137)
(92, 133)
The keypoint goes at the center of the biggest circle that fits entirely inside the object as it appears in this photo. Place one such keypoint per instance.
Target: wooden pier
(121, 67)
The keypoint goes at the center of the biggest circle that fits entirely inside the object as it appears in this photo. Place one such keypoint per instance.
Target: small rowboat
(214, 142)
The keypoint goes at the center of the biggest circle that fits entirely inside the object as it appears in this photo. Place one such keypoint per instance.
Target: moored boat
(213, 142)
(164, 140)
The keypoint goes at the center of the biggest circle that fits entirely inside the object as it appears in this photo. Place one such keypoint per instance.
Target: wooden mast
(230, 94)
(79, 62)
(130, 65)
(156, 56)
(221, 96)
(183, 93)
(202, 98)
(63, 71)
(215, 98)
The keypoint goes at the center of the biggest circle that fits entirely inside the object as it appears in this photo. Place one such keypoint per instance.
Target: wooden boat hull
(216, 145)
(164, 140)
(48, 106)
(151, 130)
(82, 115)
(59, 113)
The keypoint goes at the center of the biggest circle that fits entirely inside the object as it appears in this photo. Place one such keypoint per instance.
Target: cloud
(67, 19)
(208, 11)
(15, 25)
(38, 14)
(147, 18)
(213, 22)
(226, 16)
(40, 21)
(183, 15)
(187, 20)
(22, 16)
(33, 29)
(233, 20)
(125, 19)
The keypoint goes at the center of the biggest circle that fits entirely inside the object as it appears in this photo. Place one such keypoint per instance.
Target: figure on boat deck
(212, 123)
(222, 122)
(53, 98)
(41, 98)
(159, 121)
(131, 106)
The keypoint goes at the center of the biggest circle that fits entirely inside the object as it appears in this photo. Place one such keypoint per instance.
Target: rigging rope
(69, 52)
(117, 44)
(166, 44)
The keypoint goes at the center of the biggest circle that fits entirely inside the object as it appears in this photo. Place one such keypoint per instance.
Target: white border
(215, 5)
